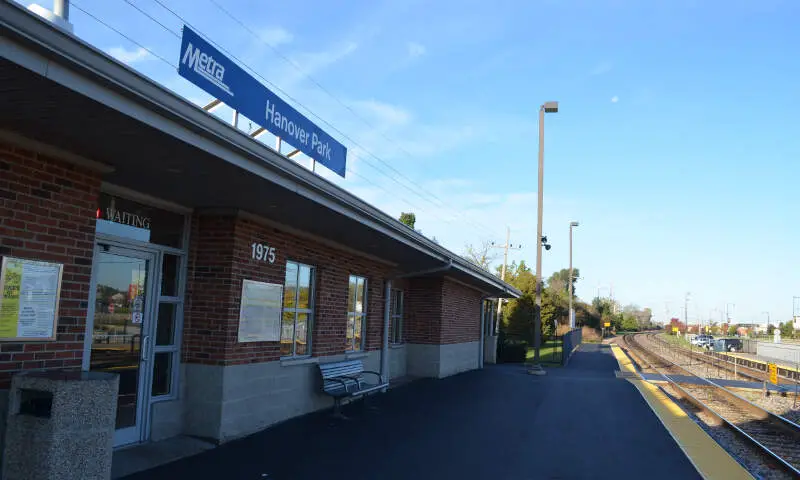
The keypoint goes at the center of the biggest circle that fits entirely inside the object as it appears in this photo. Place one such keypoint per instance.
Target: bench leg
(368, 404)
(337, 409)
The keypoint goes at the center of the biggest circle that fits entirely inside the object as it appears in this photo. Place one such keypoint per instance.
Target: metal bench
(347, 380)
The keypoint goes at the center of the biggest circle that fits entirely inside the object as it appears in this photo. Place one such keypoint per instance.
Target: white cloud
(384, 113)
(129, 56)
(601, 69)
(313, 62)
(275, 36)
(614, 99)
(416, 50)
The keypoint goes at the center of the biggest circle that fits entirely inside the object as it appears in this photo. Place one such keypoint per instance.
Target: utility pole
(795, 311)
(506, 247)
(686, 311)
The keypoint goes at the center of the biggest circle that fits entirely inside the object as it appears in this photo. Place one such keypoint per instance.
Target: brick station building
(161, 213)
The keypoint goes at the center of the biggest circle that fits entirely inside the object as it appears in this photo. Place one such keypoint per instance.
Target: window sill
(355, 355)
(164, 398)
(291, 361)
(397, 345)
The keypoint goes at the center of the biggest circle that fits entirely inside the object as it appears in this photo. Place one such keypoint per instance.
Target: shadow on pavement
(497, 423)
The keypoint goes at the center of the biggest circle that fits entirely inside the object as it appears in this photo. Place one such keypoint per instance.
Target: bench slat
(346, 379)
(339, 369)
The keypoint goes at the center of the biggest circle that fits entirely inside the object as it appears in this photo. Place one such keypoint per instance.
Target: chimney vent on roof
(58, 17)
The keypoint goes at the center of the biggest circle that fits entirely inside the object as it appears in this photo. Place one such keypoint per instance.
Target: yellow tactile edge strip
(710, 460)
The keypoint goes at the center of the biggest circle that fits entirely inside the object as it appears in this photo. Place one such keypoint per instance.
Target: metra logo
(206, 66)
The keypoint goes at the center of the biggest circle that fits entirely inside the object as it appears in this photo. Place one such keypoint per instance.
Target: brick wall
(209, 311)
(442, 311)
(461, 313)
(220, 258)
(424, 307)
(47, 212)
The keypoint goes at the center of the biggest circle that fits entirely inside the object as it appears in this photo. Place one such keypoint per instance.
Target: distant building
(747, 328)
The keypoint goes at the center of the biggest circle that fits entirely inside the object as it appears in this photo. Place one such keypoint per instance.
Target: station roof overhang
(59, 91)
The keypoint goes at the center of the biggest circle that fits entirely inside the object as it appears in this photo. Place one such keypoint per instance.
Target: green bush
(511, 351)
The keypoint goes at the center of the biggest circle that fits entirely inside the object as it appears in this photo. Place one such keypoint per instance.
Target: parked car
(705, 341)
(709, 342)
(695, 340)
(727, 345)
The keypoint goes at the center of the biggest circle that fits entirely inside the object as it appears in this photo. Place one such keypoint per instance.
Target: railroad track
(777, 438)
(739, 367)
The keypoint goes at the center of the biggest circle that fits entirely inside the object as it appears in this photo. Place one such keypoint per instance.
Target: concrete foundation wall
(459, 357)
(397, 361)
(224, 403)
(442, 360)
(490, 349)
(167, 417)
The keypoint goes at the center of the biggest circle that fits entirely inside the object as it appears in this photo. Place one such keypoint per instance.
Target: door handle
(145, 348)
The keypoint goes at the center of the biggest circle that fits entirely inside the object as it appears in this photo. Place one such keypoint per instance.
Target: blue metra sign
(206, 67)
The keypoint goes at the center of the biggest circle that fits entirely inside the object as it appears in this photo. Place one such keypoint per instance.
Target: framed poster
(260, 312)
(29, 295)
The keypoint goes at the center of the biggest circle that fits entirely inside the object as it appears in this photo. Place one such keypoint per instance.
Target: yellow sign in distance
(607, 324)
(674, 329)
(773, 373)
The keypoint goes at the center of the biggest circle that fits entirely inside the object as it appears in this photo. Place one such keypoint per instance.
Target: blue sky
(676, 145)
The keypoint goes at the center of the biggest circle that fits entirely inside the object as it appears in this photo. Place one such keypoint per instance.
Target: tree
(675, 323)
(409, 219)
(770, 329)
(481, 256)
(559, 281)
(787, 329)
(628, 323)
(732, 330)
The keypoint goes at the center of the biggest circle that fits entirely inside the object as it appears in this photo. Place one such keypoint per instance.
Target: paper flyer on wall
(29, 302)
(260, 312)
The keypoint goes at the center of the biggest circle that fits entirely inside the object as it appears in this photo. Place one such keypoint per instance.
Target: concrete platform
(575, 422)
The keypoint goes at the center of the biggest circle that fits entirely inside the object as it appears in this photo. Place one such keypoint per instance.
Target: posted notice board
(260, 312)
(29, 294)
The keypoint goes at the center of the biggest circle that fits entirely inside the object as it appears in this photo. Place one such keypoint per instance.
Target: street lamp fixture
(550, 107)
(547, 107)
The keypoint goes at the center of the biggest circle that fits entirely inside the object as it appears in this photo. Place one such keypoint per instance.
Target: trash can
(60, 425)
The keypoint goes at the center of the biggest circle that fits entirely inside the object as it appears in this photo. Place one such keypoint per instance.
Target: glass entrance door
(120, 337)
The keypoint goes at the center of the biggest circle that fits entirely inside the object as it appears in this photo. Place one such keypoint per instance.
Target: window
(397, 316)
(356, 312)
(298, 300)
(168, 319)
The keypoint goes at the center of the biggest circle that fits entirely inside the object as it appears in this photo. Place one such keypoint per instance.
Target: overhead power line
(126, 37)
(173, 65)
(346, 106)
(366, 161)
(418, 191)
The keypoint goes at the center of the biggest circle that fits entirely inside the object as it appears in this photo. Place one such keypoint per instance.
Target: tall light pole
(571, 312)
(547, 107)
